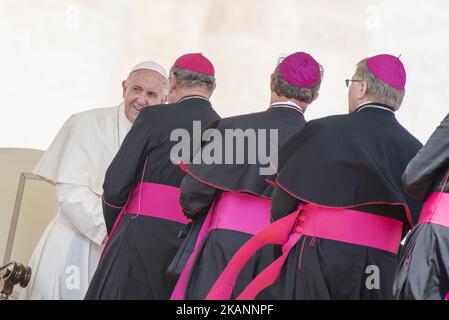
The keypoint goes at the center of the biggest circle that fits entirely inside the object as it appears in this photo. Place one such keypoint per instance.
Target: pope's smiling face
(143, 88)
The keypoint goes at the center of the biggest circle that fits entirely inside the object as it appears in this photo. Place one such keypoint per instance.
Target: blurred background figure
(423, 272)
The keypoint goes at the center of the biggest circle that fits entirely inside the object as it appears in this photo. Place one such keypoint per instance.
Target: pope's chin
(134, 112)
(132, 116)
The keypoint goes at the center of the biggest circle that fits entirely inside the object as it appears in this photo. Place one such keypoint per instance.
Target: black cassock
(135, 261)
(345, 161)
(424, 265)
(204, 183)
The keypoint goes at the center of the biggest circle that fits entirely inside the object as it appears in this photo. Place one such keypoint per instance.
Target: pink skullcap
(300, 70)
(389, 69)
(195, 62)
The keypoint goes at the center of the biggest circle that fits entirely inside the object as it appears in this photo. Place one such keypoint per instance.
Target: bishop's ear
(271, 81)
(172, 79)
(172, 82)
(363, 87)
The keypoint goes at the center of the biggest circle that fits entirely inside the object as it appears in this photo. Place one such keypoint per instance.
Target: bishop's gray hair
(376, 89)
(283, 88)
(188, 79)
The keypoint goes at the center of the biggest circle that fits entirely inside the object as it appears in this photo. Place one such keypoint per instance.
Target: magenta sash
(153, 200)
(240, 212)
(156, 200)
(231, 211)
(337, 224)
(436, 209)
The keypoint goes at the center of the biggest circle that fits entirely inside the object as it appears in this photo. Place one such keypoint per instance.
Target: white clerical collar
(374, 105)
(123, 123)
(192, 97)
(287, 104)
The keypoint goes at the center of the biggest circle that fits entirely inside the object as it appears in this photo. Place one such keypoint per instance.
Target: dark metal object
(11, 274)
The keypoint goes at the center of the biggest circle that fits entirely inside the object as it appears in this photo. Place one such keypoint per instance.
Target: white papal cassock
(67, 255)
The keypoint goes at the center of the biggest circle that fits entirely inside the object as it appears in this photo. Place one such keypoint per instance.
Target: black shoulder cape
(247, 177)
(350, 160)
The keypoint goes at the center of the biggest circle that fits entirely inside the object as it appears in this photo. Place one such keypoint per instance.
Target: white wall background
(59, 57)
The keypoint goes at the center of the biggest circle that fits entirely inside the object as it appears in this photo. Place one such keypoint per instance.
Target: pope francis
(76, 161)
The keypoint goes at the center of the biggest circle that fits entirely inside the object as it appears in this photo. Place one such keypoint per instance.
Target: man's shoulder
(94, 113)
(90, 119)
(158, 108)
(331, 123)
(408, 137)
(179, 109)
(237, 120)
(265, 118)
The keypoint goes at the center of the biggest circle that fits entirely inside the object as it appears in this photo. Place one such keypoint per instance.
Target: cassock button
(299, 229)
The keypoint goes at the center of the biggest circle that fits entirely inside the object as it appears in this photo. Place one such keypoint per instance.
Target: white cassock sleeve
(83, 209)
